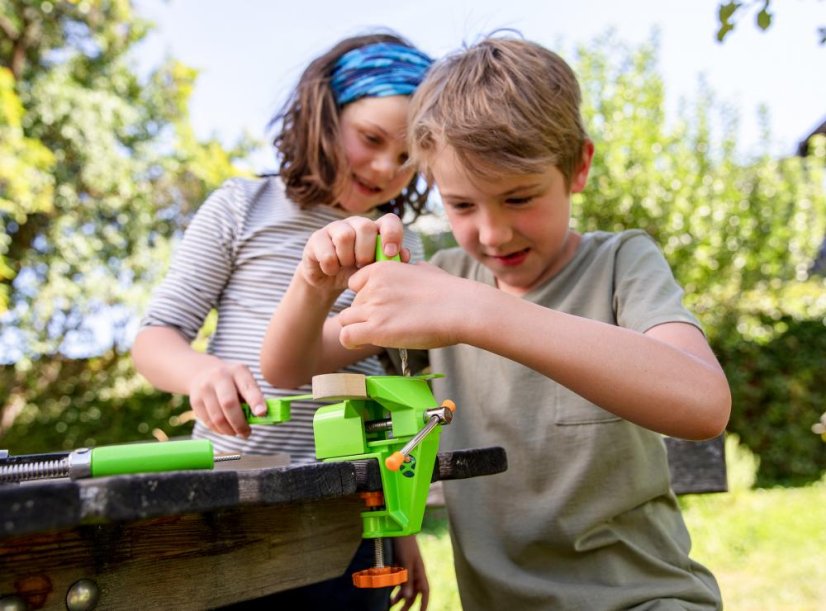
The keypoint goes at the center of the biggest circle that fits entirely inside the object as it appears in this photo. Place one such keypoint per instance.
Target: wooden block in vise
(339, 386)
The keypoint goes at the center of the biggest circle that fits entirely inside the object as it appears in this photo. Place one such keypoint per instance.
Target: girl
(342, 146)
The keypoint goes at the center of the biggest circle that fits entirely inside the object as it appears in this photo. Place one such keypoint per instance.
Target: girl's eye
(372, 139)
(460, 206)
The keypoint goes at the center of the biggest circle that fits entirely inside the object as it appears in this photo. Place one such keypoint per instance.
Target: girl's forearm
(302, 341)
(166, 359)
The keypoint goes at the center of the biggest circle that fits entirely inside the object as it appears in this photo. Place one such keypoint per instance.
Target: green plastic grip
(380, 256)
(152, 457)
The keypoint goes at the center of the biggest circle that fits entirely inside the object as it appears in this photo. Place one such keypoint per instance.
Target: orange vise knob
(439, 415)
(380, 577)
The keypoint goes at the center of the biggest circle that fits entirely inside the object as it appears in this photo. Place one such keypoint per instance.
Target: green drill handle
(152, 457)
(380, 256)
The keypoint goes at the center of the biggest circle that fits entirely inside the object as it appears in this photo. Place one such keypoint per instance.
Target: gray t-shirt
(238, 255)
(584, 517)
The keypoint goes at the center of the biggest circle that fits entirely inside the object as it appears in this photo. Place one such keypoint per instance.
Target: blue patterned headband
(378, 70)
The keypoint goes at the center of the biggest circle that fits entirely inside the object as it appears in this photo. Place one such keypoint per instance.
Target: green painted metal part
(343, 432)
(406, 401)
(278, 410)
(152, 457)
(380, 256)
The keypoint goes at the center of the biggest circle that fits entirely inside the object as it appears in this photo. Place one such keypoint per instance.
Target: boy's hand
(405, 306)
(214, 397)
(337, 251)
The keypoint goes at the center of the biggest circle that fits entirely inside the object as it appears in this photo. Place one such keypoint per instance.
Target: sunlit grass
(767, 548)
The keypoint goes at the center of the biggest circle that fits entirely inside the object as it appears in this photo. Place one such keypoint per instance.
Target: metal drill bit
(405, 365)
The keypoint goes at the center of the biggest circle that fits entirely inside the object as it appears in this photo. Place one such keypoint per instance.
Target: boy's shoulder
(615, 240)
(456, 261)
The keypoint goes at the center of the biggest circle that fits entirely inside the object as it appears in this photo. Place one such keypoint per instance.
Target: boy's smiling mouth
(512, 259)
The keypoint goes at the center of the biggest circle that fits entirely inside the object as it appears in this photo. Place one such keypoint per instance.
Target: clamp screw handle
(443, 415)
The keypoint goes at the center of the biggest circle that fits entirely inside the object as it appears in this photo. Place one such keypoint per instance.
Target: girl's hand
(337, 251)
(407, 555)
(216, 394)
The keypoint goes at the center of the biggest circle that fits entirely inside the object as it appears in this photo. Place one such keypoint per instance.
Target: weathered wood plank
(697, 466)
(189, 561)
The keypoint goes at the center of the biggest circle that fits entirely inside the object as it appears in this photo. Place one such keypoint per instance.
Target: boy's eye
(518, 201)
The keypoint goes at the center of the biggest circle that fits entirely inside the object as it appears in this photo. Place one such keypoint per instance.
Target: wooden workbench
(193, 539)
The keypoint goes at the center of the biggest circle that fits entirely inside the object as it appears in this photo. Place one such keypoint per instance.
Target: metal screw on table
(82, 595)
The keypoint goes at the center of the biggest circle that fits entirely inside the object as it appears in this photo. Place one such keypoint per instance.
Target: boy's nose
(494, 231)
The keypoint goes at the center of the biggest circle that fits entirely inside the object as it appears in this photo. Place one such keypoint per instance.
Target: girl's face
(374, 136)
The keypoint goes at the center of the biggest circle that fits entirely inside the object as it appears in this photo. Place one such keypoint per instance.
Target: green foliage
(739, 234)
(774, 363)
(729, 12)
(106, 171)
(67, 406)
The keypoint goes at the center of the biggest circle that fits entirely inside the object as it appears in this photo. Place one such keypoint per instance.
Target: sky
(250, 53)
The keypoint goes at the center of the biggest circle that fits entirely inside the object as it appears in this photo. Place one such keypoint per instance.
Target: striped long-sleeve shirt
(238, 256)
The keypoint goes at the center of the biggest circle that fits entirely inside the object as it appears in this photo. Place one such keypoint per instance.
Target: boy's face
(516, 225)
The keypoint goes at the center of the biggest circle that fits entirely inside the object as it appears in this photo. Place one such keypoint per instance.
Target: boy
(571, 351)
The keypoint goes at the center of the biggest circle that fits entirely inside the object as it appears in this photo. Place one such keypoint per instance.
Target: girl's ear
(580, 178)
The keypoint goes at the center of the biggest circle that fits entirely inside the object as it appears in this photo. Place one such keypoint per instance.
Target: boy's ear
(580, 179)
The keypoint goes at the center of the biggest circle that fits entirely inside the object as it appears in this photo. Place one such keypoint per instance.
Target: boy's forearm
(644, 380)
(166, 359)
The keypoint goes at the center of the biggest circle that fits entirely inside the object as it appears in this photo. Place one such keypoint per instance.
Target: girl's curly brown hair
(308, 145)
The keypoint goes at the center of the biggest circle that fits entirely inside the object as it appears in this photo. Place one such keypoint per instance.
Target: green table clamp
(378, 426)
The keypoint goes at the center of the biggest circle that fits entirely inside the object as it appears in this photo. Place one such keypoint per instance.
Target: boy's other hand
(215, 395)
(405, 306)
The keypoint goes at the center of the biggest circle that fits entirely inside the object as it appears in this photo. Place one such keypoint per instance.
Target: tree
(729, 12)
(100, 170)
(740, 233)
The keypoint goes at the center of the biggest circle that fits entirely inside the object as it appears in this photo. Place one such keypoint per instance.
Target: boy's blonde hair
(505, 106)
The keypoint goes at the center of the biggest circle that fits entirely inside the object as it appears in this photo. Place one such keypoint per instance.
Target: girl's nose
(385, 166)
